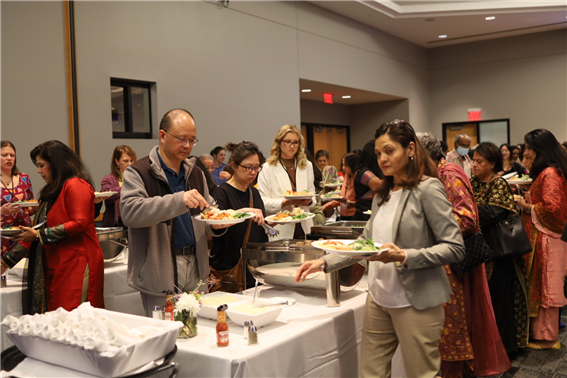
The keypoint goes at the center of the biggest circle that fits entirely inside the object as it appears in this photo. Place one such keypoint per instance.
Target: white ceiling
(421, 22)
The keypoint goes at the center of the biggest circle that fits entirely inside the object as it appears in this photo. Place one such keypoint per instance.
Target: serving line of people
(415, 299)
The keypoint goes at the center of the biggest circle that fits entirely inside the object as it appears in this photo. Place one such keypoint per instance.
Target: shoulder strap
(250, 221)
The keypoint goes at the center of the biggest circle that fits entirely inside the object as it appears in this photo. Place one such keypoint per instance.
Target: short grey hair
(432, 145)
(206, 157)
(461, 136)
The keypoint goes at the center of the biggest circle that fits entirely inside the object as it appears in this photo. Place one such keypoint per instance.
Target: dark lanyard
(293, 186)
(13, 191)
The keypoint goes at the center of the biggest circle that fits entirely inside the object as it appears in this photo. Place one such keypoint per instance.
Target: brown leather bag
(230, 280)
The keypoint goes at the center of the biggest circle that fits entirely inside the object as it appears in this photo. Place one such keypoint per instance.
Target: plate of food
(331, 196)
(517, 197)
(333, 185)
(351, 248)
(30, 203)
(295, 216)
(104, 194)
(11, 230)
(520, 180)
(229, 216)
(304, 194)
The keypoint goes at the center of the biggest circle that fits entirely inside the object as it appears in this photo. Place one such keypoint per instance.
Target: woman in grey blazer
(407, 284)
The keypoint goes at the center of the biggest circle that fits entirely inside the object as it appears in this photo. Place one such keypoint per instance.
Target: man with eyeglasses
(160, 194)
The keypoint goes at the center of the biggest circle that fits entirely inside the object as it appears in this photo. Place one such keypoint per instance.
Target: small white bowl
(267, 316)
(210, 311)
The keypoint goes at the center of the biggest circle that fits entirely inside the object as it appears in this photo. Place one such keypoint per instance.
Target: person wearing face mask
(122, 157)
(460, 155)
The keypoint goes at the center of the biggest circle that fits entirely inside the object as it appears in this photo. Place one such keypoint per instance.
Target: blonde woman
(287, 168)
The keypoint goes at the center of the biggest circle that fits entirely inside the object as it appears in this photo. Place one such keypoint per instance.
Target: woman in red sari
(66, 264)
(544, 218)
(470, 339)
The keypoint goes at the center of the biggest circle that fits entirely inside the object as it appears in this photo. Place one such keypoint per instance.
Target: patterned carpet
(542, 363)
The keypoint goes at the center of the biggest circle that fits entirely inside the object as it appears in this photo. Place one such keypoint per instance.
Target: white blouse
(385, 286)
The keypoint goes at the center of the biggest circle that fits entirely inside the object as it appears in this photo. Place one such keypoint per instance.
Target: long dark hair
(5, 143)
(403, 133)
(352, 160)
(63, 164)
(549, 152)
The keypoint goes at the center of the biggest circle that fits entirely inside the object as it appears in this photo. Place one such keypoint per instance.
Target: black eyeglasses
(251, 169)
(183, 142)
(291, 143)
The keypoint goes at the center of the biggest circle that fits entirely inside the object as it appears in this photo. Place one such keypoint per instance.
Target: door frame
(310, 138)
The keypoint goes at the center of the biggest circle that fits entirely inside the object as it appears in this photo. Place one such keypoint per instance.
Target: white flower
(187, 302)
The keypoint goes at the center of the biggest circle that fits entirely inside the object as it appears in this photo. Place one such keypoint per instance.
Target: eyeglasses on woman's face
(251, 169)
(182, 141)
(289, 143)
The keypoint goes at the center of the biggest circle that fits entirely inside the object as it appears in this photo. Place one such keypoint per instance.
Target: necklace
(287, 165)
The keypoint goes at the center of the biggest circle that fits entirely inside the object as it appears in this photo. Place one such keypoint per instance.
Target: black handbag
(476, 252)
(509, 238)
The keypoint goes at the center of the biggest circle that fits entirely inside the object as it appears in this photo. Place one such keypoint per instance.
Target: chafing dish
(112, 241)
(276, 263)
(350, 229)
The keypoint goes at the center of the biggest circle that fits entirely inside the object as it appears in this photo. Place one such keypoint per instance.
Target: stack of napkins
(80, 327)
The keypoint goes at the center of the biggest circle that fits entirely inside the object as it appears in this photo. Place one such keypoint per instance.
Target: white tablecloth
(118, 296)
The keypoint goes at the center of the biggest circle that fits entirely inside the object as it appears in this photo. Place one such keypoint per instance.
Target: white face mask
(462, 151)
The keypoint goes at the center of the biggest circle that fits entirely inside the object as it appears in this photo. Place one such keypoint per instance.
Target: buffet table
(118, 296)
(307, 339)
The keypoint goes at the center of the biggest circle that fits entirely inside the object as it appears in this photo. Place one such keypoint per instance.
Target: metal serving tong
(212, 206)
(270, 231)
(271, 304)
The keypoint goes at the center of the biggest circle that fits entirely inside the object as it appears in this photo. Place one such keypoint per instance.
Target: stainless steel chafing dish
(276, 263)
(112, 241)
(350, 229)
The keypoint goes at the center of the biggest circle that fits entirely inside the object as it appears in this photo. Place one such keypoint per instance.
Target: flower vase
(189, 321)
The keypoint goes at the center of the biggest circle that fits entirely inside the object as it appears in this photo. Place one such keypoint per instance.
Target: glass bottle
(169, 306)
(222, 327)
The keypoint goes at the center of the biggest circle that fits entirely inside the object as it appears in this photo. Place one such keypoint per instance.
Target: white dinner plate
(319, 244)
(333, 185)
(270, 219)
(223, 221)
(509, 175)
(520, 182)
(368, 212)
(104, 194)
(26, 204)
(12, 231)
(307, 196)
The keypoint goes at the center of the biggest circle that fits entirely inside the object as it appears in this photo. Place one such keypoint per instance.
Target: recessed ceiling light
(443, 36)
(346, 96)
(306, 90)
(490, 18)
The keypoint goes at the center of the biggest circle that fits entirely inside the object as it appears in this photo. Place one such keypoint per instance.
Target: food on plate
(301, 193)
(216, 214)
(520, 178)
(28, 201)
(248, 308)
(217, 300)
(517, 197)
(11, 228)
(332, 195)
(336, 183)
(295, 214)
(359, 245)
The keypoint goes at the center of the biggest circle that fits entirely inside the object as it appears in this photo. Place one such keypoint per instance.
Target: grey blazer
(425, 227)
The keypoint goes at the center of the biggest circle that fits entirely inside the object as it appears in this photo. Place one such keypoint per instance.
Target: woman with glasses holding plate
(238, 193)
(287, 168)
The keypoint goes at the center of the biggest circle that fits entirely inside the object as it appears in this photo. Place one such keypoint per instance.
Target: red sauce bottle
(222, 327)
(169, 307)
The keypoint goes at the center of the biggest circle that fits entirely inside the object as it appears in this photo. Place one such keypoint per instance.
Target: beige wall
(326, 114)
(34, 100)
(522, 78)
(236, 69)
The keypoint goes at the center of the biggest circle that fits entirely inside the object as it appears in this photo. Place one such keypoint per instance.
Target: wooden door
(338, 147)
